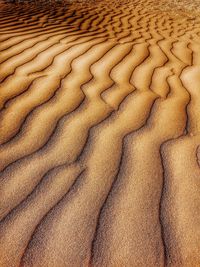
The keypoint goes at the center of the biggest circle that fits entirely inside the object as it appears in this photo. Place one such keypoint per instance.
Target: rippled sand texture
(100, 135)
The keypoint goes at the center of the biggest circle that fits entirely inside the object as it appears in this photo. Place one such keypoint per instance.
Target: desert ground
(100, 133)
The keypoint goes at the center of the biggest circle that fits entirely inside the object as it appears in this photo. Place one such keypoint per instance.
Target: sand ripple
(99, 134)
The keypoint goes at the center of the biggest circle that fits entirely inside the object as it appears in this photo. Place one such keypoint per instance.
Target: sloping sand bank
(100, 134)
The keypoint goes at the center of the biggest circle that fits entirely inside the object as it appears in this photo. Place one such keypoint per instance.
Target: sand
(100, 134)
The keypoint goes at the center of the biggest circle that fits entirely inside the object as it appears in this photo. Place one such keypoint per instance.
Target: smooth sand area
(100, 133)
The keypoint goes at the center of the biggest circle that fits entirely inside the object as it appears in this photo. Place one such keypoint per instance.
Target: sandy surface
(100, 134)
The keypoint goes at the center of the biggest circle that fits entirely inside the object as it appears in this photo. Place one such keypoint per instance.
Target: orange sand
(100, 134)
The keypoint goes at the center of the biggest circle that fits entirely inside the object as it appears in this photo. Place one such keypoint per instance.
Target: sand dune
(99, 134)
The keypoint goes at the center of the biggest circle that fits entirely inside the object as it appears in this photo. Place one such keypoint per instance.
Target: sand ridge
(99, 134)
